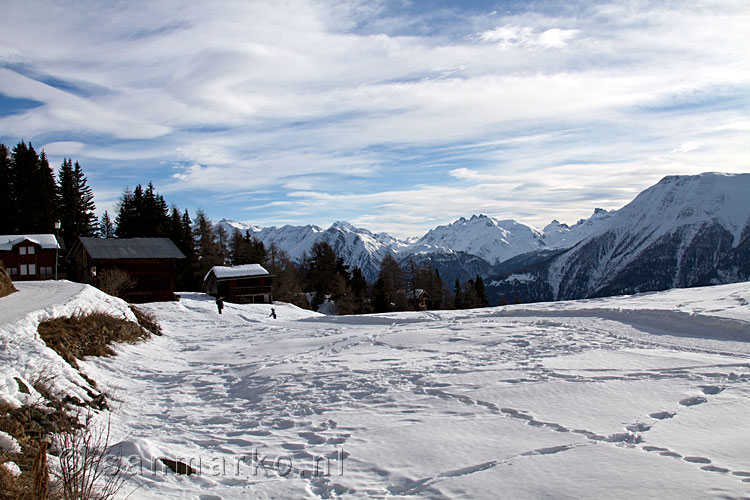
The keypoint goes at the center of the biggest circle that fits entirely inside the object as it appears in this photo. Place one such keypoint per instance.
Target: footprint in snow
(711, 390)
(713, 468)
(695, 400)
(312, 438)
(638, 427)
(661, 415)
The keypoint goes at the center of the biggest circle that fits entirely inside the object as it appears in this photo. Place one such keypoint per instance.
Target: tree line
(32, 199)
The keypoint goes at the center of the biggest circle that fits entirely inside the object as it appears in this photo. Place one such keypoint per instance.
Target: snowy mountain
(358, 247)
(684, 231)
(493, 240)
(462, 249)
(559, 235)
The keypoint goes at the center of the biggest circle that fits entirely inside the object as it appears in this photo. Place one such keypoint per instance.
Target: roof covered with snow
(224, 272)
(131, 248)
(47, 241)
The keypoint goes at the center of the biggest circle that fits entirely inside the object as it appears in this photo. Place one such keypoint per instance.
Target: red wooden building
(150, 262)
(246, 284)
(29, 257)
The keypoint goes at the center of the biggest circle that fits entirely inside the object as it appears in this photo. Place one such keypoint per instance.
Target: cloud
(383, 109)
(529, 37)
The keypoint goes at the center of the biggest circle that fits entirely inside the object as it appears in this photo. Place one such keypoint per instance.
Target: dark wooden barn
(149, 262)
(29, 257)
(246, 284)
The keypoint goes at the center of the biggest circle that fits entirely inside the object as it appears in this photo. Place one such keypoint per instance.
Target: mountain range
(684, 231)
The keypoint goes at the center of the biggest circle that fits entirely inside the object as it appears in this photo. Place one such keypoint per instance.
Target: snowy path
(573, 402)
(35, 295)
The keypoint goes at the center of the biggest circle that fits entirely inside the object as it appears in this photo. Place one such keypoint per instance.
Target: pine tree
(207, 250)
(75, 202)
(8, 206)
(389, 291)
(482, 300)
(256, 250)
(143, 213)
(458, 302)
(436, 290)
(34, 191)
(188, 274)
(469, 297)
(46, 197)
(287, 281)
(358, 285)
(237, 248)
(106, 227)
(126, 214)
(326, 274)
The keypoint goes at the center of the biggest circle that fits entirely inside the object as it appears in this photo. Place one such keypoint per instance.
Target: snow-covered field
(628, 397)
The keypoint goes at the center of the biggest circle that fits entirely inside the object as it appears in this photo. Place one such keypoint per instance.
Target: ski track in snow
(460, 404)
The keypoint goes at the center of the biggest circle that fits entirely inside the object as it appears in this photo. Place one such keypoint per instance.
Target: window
(32, 250)
(22, 250)
(32, 269)
(12, 271)
(24, 270)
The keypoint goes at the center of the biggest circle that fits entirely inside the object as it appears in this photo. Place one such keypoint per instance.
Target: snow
(24, 356)
(626, 397)
(48, 241)
(13, 468)
(8, 443)
(237, 271)
(519, 278)
(688, 199)
(685, 203)
(493, 240)
(557, 235)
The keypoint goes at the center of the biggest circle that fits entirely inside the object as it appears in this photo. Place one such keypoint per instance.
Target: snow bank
(721, 301)
(8, 443)
(13, 468)
(25, 357)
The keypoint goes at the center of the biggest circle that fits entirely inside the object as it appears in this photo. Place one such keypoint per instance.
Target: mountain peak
(342, 224)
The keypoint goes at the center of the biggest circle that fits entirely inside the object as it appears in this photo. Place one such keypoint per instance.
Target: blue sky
(393, 115)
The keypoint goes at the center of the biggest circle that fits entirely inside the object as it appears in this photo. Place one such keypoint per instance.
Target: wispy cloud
(384, 113)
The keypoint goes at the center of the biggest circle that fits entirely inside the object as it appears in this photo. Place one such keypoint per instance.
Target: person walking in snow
(219, 304)
(273, 313)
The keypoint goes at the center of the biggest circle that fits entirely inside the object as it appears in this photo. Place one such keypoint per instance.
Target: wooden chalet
(150, 262)
(418, 299)
(29, 257)
(246, 284)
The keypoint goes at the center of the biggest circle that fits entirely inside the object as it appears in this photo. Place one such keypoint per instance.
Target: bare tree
(115, 281)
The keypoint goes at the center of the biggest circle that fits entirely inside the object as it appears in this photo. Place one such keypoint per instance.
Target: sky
(393, 115)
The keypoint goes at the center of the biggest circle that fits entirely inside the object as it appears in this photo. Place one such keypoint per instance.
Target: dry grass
(82, 447)
(30, 426)
(90, 334)
(6, 285)
(147, 320)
